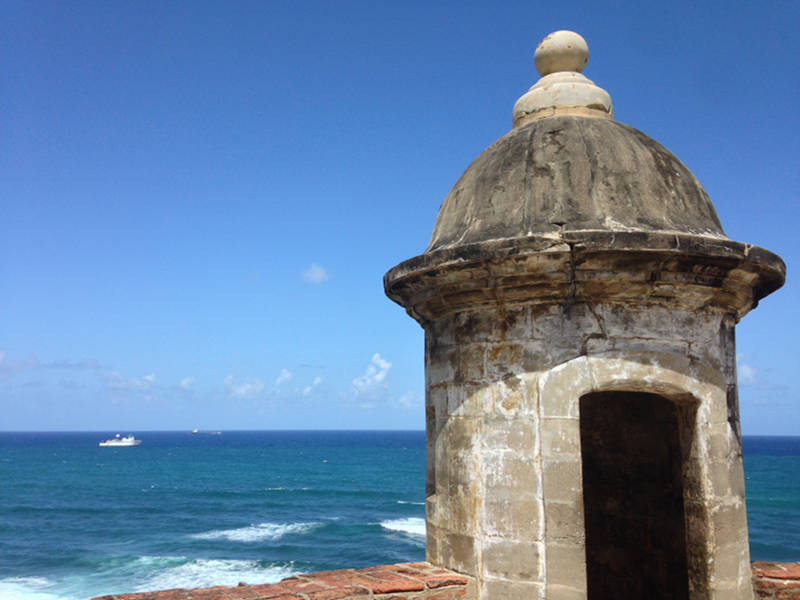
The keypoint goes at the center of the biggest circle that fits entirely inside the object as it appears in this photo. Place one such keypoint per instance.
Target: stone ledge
(778, 581)
(405, 581)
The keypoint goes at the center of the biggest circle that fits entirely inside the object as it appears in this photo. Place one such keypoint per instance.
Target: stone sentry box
(579, 298)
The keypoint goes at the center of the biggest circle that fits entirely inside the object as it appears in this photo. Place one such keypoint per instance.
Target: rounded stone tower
(579, 298)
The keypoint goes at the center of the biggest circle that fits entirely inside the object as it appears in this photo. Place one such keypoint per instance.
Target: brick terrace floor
(780, 581)
(406, 581)
(416, 581)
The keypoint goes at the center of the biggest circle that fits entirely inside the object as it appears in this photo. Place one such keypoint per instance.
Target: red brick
(777, 570)
(318, 574)
(341, 593)
(387, 583)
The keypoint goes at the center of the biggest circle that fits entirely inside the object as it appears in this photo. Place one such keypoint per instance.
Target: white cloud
(135, 384)
(315, 274)
(284, 377)
(373, 378)
(409, 400)
(187, 383)
(310, 388)
(34, 364)
(248, 388)
(747, 373)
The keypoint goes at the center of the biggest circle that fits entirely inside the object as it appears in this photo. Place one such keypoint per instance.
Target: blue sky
(199, 200)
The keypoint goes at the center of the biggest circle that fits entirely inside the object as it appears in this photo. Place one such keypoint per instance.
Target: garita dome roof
(568, 166)
(572, 206)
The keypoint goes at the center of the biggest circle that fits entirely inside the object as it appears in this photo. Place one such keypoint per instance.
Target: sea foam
(257, 533)
(412, 526)
(210, 572)
(29, 588)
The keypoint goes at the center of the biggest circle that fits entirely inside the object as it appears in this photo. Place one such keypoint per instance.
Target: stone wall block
(561, 437)
(432, 509)
(717, 406)
(719, 474)
(490, 589)
(565, 323)
(469, 399)
(635, 344)
(536, 355)
(514, 324)
(503, 360)
(433, 539)
(473, 326)
(730, 525)
(461, 434)
(560, 388)
(458, 473)
(566, 566)
(509, 398)
(563, 480)
(508, 559)
(513, 519)
(719, 441)
(731, 565)
(564, 522)
(462, 514)
(459, 552)
(469, 363)
(436, 398)
(518, 435)
(563, 592)
(439, 366)
(510, 476)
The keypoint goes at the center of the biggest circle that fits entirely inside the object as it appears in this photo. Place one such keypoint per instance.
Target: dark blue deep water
(77, 520)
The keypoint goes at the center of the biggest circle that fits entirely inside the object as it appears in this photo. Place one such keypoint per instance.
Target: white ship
(128, 440)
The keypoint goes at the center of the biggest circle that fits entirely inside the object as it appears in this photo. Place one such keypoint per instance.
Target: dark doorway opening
(633, 497)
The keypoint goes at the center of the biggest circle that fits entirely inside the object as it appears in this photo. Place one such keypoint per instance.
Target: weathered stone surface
(649, 268)
(576, 265)
(573, 174)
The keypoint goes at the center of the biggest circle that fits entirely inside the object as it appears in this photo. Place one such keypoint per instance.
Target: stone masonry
(579, 299)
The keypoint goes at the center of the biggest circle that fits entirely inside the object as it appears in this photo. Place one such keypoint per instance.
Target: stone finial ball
(561, 51)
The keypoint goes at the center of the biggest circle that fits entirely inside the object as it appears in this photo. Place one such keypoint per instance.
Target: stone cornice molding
(667, 268)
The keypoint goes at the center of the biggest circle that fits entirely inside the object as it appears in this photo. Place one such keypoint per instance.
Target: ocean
(184, 510)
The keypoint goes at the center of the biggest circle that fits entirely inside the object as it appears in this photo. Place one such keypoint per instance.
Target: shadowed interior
(633, 497)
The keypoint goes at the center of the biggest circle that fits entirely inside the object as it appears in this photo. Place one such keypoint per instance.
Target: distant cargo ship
(200, 431)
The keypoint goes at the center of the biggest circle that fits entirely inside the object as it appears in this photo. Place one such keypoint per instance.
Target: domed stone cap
(562, 90)
(570, 173)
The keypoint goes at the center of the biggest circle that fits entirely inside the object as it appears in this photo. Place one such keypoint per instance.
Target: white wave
(412, 526)
(410, 502)
(209, 572)
(29, 588)
(257, 533)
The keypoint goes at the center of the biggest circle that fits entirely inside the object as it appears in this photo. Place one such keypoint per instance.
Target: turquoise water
(77, 520)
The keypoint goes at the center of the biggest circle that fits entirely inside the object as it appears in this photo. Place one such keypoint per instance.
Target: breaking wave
(29, 588)
(211, 572)
(411, 526)
(257, 533)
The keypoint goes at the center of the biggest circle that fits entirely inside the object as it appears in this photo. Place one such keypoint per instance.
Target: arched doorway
(633, 496)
